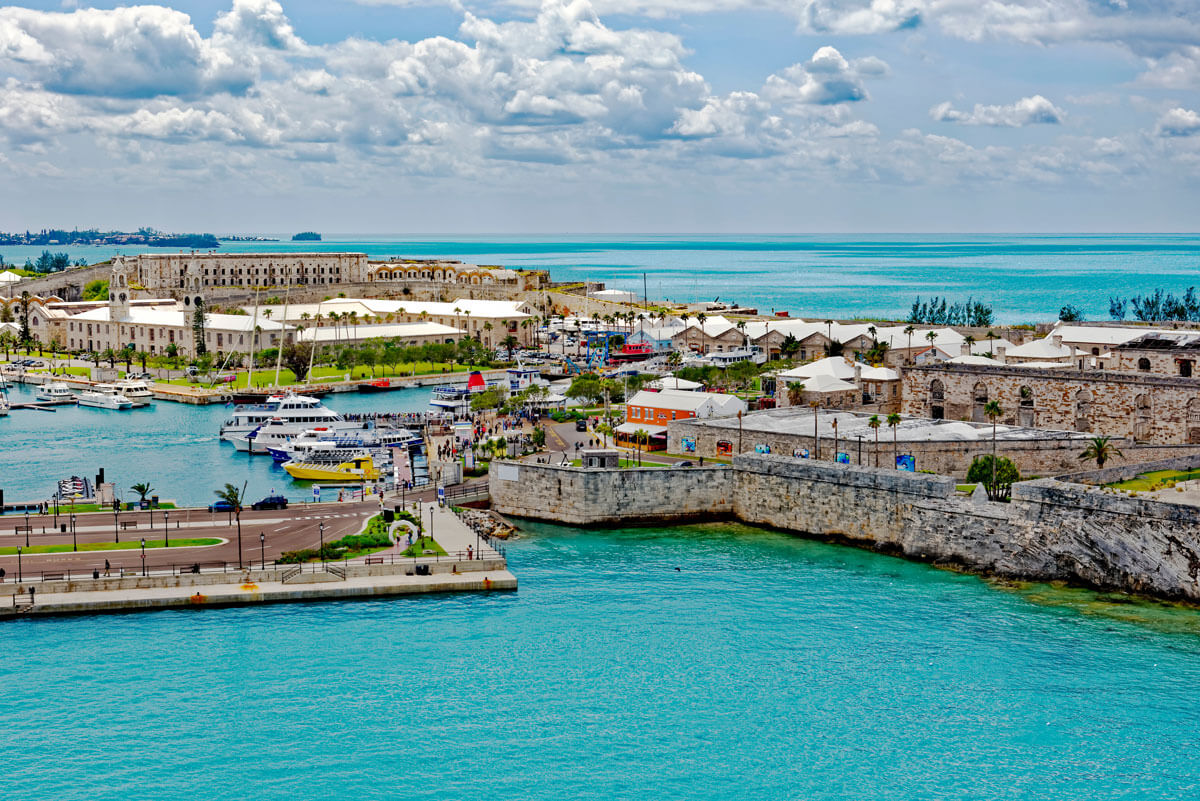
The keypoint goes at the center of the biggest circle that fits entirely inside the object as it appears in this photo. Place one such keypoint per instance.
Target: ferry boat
(301, 444)
(298, 410)
(278, 432)
(54, 392)
(138, 392)
(456, 398)
(104, 396)
(354, 471)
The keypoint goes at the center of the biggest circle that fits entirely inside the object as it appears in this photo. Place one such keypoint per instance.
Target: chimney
(1000, 353)
(1057, 340)
(965, 349)
(858, 375)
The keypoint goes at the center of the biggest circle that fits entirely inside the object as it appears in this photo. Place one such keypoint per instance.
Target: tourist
(107, 567)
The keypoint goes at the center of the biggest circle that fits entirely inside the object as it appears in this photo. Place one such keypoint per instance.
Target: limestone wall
(580, 497)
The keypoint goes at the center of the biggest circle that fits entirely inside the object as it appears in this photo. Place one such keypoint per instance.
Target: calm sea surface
(1024, 277)
(765, 667)
(172, 446)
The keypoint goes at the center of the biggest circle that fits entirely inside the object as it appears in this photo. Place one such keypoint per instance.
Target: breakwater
(1051, 531)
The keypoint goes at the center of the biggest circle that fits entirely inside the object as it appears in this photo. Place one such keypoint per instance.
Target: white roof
(331, 333)
(976, 360)
(1102, 334)
(1040, 349)
(838, 367)
(633, 428)
(670, 399)
(9, 277)
(174, 316)
(671, 382)
(823, 382)
(479, 309)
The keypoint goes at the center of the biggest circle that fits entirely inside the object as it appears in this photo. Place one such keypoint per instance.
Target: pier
(226, 574)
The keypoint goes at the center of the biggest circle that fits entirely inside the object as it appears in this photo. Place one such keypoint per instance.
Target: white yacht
(138, 392)
(292, 410)
(104, 396)
(55, 392)
(4, 404)
(295, 448)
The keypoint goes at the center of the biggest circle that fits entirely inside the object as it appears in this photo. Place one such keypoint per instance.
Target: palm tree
(640, 436)
(993, 411)
(143, 489)
(233, 496)
(795, 390)
(909, 330)
(893, 421)
(990, 336)
(970, 340)
(815, 405)
(1101, 449)
(874, 422)
(741, 326)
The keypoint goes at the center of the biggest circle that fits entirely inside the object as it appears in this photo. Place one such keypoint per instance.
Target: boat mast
(253, 341)
(283, 330)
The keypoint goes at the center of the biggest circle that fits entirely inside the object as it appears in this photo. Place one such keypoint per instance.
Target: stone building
(1139, 406)
(1172, 353)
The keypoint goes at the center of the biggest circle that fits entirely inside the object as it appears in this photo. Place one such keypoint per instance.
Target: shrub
(1006, 474)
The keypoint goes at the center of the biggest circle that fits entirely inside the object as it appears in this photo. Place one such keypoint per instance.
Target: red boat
(632, 352)
(378, 385)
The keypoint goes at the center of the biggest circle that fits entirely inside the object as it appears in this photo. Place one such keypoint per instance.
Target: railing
(340, 572)
(290, 574)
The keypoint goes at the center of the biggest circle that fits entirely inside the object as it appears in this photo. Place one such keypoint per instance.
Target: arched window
(937, 399)
(1143, 423)
(1144, 364)
(1025, 411)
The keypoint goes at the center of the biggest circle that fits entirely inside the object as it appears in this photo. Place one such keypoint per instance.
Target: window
(1185, 368)
(1144, 364)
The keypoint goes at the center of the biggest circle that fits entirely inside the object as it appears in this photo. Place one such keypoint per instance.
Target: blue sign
(762, 448)
(689, 444)
(906, 461)
(843, 458)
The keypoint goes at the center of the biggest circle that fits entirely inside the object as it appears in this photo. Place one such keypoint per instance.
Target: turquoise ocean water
(766, 667)
(1024, 277)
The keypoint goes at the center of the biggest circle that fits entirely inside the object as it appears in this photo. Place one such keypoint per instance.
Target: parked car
(270, 502)
(682, 464)
(581, 425)
(220, 506)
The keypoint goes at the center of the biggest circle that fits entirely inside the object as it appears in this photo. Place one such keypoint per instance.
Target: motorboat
(4, 404)
(456, 398)
(104, 396)
(54, 392)
(278, 432)
(138, 392)
(290, 409)
(378, 385)
(297, 448)
(353, 471)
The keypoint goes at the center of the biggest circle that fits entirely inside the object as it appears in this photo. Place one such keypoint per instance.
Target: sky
(580, 116)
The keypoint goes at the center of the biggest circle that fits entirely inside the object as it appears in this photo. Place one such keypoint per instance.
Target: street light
(116, 520)
(27, 529)
(19, 575)
(431, 521)
(74, 540)
(262, 549)
(322, 551)
(143, 556)
(166, 530)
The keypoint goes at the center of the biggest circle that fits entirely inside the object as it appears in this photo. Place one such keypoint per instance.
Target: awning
(633, 428)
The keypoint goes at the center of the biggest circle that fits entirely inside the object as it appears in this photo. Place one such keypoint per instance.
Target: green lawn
(111, 546)
(965, 487)
(265, 377)
(1147, 481)
(67, 370)
(422, 544)
(80, 508)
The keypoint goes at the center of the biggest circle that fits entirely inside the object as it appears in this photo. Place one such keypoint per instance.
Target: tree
(487, 399)
(795, 392)
(640, 437)
(789, 347)
(141, 356)
(993, 411)
(893, 421)
(1070, 313)
(586, 387)
(24, 320)
(874, 422)
(234, 497)
(198, 320)
(143, 489)
(296, 356)
(1101, 449)
(996, 475)
(95, 290)
(909, 331)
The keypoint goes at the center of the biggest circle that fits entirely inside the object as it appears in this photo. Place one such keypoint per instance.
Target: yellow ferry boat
(358, 469)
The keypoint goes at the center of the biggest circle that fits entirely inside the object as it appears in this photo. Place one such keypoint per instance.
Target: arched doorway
(1083, 410)
(937, 399)
(1026, 415)
(1143, 423)
(1193, 421)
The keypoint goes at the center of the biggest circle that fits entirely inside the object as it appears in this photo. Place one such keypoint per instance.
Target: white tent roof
(633, 428)
(982, 361)
(1040, 349)
(823, 382)
(9, 277)
(838, 367)
(671, 382)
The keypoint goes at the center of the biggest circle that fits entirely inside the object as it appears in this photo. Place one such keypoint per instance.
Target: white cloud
(1026, 111)
(827, 78)
(1178, 122)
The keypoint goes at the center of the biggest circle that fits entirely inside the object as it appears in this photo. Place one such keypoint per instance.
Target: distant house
(650, 411)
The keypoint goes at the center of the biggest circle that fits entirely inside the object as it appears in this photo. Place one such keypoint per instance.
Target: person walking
(107, 567)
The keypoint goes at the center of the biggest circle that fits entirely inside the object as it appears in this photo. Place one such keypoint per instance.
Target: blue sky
(603, 115)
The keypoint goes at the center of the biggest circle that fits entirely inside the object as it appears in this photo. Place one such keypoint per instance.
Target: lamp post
(166, 530)
(262, 549)
(74, 539)
(322, 551)
(431, 522)
(143, 556)
(116, 526)
(27, 529)
(19, 574)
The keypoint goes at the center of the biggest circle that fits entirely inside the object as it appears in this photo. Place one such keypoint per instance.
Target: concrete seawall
(1051, 530)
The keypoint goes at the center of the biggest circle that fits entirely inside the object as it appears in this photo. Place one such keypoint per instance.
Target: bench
(374, 560)
(53, 576)
(23, 529)
(128, 524)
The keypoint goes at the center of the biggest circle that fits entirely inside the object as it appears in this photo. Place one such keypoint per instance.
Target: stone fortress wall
(1052, 530)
